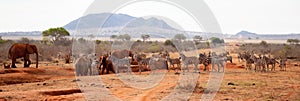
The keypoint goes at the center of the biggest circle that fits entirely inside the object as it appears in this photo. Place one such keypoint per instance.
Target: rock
(44, 84)
(1, 90)
(230, 83)
(75, 80)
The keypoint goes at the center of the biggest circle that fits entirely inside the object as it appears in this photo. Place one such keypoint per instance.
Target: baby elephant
(86, 65)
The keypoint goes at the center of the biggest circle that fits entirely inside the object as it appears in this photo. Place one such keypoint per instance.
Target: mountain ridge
(110, 20)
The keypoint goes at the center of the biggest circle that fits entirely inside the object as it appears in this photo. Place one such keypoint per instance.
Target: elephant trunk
(37, 59)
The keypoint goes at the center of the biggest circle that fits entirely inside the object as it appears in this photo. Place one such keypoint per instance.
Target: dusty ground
(59, 83)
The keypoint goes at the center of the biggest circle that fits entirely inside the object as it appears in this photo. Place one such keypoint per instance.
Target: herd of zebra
(122, 61)
(261, 62)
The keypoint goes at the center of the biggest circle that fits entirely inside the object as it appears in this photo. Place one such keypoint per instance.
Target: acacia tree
(55, 34)
(197, 38)
(179, 37)
(216, 40)
(124, 37)
(113, 36)
(263, 43)
(293, 41)
(145, 37)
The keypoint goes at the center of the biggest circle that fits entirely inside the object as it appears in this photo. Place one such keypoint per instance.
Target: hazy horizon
(256, 16)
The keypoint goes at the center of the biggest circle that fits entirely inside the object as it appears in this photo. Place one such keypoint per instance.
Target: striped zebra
(270, 61)
(122, 64)
(218, 60)
(282, 64)
(173, 62)
(142, 61)
(203, 59)
(259, 63)
(189, 61)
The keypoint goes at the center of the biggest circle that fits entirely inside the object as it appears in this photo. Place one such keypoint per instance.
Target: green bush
(4, 41)
(154, 48)
(138, 41)
(263, 43)
(216, 40)
(169, 43)
(98, 41)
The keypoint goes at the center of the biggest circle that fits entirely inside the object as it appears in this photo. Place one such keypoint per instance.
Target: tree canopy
(55, 34)
(179, 37)
(197, 39)
(145, 37)
(263, 43)
(216, 40)
(124, 37)
(113, 36)
(293, 41)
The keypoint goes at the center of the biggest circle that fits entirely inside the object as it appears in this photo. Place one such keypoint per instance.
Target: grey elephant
(85, 65)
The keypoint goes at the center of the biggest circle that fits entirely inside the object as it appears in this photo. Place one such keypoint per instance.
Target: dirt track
(59, 83)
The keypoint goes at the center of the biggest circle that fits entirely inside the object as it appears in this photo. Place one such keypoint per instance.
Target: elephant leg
(117, 69)
(111, 69)
(77, 71)
(213, 67)
(206, 67)
(128, 69)
(107, 68)
(166, 63)
(27, 61)
(85, 71)
(13, 64)
(103, 68)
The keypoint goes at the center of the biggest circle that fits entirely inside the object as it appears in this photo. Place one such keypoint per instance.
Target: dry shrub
(277, 50)
(49, 53)
(4, 48)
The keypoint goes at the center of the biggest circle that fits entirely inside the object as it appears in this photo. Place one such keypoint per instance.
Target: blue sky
(259, 16)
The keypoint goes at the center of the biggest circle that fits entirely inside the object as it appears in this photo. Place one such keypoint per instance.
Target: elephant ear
(29, 49)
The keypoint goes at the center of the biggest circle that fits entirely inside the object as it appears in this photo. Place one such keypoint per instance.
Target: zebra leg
(140, 68)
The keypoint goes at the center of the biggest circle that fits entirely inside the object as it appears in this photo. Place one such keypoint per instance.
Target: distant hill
(31, 33)
(250, 35)
(109, 20)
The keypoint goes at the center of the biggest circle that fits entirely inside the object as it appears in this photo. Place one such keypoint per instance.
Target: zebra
(173, 62)
(260, 63)
(142, 61)
(203, 59)
(122, 63)
(218, 60)
(282, 64)
(270, 61)
(189, 61)
(249, 63)
(158, 63)
(243, 56)
(85, 65)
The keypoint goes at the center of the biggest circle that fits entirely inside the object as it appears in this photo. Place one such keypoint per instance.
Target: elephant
(23, 50)
(119, 54)
(84, 65)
